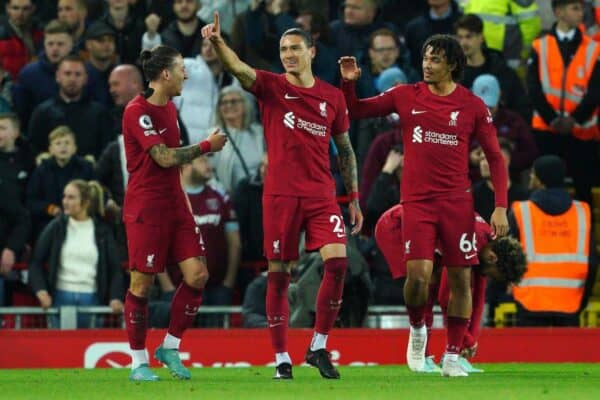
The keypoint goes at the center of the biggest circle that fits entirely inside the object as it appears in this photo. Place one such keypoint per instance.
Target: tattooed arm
(349, 173)
(175, 156)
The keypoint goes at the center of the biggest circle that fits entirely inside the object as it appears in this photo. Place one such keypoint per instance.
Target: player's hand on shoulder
(217, 140)
(212, 31)
(349, 68)
(499, 222)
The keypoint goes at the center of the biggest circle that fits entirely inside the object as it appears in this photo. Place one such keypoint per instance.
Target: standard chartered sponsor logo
(445, 139)
(289, 120)
(417, 135)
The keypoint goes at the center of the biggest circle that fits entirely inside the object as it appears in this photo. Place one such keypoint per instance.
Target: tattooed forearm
(347, 162)
(169, 157)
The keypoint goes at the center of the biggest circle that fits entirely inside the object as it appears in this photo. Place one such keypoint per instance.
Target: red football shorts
(447, 224)
(388, 235)
(156, 237)
(285, 217)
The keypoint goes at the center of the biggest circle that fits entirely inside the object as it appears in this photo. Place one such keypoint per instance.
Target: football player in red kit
(501, 259)
(300, 114)
(438, 118)
(160, 227)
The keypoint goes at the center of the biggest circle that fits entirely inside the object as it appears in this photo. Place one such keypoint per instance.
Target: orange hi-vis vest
(564, 88)
(557, 249)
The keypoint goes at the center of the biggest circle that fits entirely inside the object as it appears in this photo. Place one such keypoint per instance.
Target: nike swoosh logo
(274, 325)
(288, 97)
(415, 112)
(162, 130)
(469, 256)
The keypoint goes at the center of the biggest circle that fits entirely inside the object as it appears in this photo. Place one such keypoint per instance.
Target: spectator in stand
(220, 231)
(316, 24)
(509, 125)
(256, 32)
(16, 159)
(45, 188)
(228, 11)
(566, 99)
(100, 45)
(73, 13)
(16, 164)
(237, 119)
(128, 30)
(385, 194)
(79, 251)
(247, 201)
(182, 34)
(483, 191)
(37, 80)
(401, 12)
(481, 60)
(20, 38)
(197, 104)
(555, 232)
(438, 19)
(350, 34)
(89, 120)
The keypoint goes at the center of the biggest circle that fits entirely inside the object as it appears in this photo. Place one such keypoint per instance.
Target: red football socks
(431, 299)
(184, 308)
(457, 327)
(278, 309)
(329, 298)
(136, 320)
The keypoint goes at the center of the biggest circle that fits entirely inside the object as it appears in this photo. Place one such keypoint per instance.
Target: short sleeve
(228, 210)
(139, 126)
(260, 86)
(341, 124)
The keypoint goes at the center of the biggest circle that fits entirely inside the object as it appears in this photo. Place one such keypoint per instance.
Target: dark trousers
(539, 319)
(581, 158)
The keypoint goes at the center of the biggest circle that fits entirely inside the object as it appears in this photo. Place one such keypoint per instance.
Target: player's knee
(140, 288)
(197, 279)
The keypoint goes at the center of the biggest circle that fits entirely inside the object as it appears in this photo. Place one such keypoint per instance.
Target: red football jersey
(212, 212)
(150, 185)
(298, 123)
(436, 133)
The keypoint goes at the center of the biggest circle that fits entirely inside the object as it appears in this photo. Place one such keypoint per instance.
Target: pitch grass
(500, 381)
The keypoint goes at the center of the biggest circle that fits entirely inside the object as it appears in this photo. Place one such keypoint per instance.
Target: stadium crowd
(69, 67)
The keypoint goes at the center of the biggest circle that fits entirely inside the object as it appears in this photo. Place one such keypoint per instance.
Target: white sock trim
(319, 341)
(138, 357)
(281, 358)
(171, 342)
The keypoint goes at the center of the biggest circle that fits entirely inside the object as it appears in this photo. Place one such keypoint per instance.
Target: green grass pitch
(500, 381)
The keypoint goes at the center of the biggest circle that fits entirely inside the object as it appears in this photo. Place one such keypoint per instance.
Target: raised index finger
(217, 24)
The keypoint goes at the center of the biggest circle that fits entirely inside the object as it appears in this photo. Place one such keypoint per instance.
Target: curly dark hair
(450, 48)
(512, 262)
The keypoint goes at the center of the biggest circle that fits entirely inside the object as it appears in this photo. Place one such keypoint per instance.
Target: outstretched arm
(232, 63)
(168, 157)
(377, 106)
(349, 173)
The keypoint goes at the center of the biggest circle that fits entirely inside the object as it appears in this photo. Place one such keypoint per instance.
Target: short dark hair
(384, 32)
(506, 145)
(71, 58)
(469, 22)
(452, 51)
(561, 3)
(512, 262)
(156, 60)
(308, 40)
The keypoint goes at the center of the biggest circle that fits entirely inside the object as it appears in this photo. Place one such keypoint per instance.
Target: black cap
(550, 170)
(97, 30)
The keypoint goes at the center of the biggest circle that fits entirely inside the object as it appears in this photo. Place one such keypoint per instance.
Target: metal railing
(65, 317)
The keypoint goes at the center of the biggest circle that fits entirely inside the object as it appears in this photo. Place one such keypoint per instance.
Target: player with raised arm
(439, 118)
(500, 259)
(159, 224)
(300, 113)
